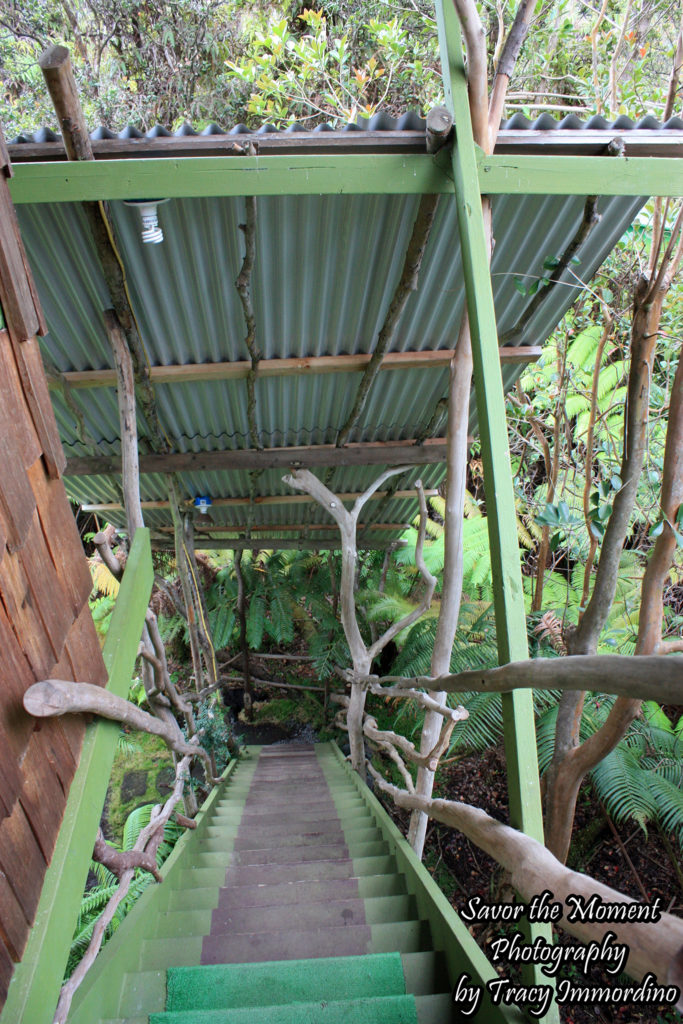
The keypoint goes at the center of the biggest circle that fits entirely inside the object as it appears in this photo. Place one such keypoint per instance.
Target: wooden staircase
(286, 905)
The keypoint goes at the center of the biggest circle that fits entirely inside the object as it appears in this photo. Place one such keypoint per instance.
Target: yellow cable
(201, 612)
(112, 242)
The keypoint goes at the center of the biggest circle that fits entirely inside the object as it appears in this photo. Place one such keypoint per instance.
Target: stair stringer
(449, 933)
(99, 996)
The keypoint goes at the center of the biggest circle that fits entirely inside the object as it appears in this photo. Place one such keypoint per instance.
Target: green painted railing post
(518, 717)
(36, 982)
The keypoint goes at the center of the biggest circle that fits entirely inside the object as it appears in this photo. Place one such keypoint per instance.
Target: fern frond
(102, 579)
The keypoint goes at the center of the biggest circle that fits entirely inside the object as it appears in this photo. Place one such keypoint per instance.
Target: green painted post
(518, 716)
(36, 982)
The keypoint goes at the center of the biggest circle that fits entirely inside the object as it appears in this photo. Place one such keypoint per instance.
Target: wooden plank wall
(46, 630)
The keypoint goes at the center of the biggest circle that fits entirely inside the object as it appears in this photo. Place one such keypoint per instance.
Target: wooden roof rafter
(247, 502)
(185, 373)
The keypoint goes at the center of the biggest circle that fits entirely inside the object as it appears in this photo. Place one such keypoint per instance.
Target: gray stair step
(297, 916)
(310, 943)
(313, 870)
(307, 913)
(258, 839)
(281, 893)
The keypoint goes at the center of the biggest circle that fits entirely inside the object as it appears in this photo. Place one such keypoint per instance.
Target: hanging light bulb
(147, 208)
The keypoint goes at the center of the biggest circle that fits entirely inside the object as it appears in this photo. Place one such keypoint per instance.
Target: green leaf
(615, 482)
(657, 529)
(520, 286)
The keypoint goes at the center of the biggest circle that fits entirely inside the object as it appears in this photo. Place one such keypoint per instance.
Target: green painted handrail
(36, 982)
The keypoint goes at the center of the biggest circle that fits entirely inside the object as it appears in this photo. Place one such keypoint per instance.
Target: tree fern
(256, 622)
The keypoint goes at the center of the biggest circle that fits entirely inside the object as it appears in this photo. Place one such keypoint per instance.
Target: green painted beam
(518, 714)
(359, 174)
(61, 182)
(580, 175)
(36, 982)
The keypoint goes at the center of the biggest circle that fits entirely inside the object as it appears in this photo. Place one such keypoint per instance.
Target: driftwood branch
(506, 64)
(118, 861)
(407, 283)
(125, 391)
(428, 579)
(347, 521)
(53, 697)
(477, 72)
(648, 678)
(149, 836)
(653, 946)
(101, 542)
(243, 285)
(425, 700)
(590, 218)
(459, 387)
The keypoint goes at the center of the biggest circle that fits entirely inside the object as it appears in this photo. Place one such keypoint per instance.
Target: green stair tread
(258, 984)
(369, 1010)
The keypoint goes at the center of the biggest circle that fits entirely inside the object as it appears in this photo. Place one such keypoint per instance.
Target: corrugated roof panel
(326, 269)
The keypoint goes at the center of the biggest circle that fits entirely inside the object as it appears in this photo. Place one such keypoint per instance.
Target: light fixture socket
(147, 208)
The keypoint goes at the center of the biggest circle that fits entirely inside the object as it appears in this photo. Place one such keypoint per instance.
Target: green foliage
(212, 719)
(101, 609)
(98, 895)
(641, 780)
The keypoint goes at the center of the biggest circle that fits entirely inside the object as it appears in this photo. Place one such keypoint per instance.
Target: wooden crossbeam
(371, 453)
(281, 528)
(271, 499)
(297, 367)
(278, 544)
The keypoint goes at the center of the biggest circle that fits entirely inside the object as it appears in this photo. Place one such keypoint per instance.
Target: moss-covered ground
(139, 753)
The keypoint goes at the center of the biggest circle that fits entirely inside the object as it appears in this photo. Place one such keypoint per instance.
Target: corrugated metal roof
(379, 122)
(326, 268)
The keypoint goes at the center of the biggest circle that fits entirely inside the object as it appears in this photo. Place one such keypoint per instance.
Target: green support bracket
(519, 730)
(36, 981)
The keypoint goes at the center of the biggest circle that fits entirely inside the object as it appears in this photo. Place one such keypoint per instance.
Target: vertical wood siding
(46, 630)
